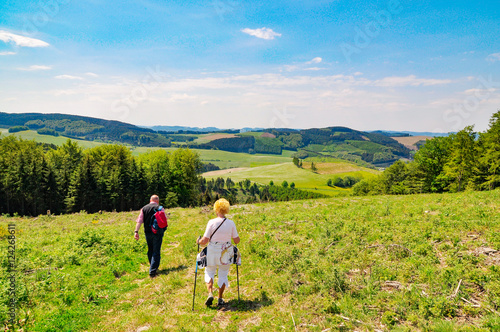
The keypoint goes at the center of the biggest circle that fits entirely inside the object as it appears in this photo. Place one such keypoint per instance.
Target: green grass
(251, 133)
(225, 159)
(303, 178)
(59, 140)
(342, 264)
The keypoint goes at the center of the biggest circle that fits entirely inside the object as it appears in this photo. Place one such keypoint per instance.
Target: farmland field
(402, 263)
(210, 137)
(303, 178)
(225, 159)
(59, 140)
(410, 142)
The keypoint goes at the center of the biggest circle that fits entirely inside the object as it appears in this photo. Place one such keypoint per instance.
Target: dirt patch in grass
(334, 168)
(212, 137)
(268, 135)
(492, 255)
(410, 142)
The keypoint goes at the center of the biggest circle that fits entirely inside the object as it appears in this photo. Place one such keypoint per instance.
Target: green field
(59, 140)
(399, 263)
(302, 177)
(225, 159)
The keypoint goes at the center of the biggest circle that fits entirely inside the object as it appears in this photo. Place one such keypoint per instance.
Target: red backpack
(159, 220)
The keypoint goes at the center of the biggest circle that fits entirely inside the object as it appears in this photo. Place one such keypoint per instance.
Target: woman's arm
(236, 240)
(203, 241)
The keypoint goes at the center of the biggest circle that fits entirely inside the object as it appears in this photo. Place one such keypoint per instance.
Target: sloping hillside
(405, 263)
(303, 178)
(343, 143)
(363, 148)
(87, 128)
(366, 149)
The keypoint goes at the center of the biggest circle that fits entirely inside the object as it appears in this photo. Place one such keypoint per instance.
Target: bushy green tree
(460, 165)
(489, 151)
(185, 166)
(431, 158)
(338, 182)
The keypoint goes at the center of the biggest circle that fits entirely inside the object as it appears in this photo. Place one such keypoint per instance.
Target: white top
(224, 234)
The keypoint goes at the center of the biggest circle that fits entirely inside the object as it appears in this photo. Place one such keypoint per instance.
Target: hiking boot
(209, 300)
(220, 302)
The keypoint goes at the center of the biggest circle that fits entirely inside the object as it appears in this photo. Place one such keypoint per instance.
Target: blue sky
(393, 65)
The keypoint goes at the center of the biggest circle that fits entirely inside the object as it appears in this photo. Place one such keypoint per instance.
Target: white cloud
(291, 67)
(22, 41)
(263, 33)
(36, 68)
(303, 65)
(352, 100)
(91, 74)
(411, 80)
(7, 53)
(493, 57)
(68, 77)
(315, 60)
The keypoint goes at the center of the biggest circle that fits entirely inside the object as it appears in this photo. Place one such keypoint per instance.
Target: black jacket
(148, 212)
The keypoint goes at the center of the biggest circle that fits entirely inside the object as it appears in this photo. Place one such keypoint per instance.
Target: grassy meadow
(59, 140)
(225, 159)
(384, 263)
(304, 178)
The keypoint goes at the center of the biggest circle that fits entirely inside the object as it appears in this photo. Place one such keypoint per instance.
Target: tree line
(37, 178)
(247, 191)
(74, 126)
(466, 160)
(40, 178)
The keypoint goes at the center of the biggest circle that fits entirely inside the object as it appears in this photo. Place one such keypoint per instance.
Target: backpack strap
(217, 229)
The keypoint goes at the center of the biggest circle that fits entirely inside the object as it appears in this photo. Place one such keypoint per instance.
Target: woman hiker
(220, 252)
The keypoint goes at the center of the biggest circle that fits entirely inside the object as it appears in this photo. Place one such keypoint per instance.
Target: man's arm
(139, 222)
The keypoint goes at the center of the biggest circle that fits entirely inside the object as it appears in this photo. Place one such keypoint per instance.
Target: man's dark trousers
(154, 248)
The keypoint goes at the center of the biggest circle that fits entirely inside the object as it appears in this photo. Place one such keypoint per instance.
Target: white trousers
(218, 254)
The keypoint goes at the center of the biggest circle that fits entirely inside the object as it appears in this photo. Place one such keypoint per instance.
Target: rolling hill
(85, 128)
(369, 149)
(303, 178)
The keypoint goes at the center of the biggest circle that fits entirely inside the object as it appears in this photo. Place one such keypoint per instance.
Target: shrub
(47, 131)
(16, 129)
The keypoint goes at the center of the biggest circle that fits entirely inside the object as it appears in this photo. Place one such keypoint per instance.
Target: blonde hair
(222, 206)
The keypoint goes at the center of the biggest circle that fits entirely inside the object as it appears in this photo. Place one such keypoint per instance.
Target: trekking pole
(196, 273)
(238, 279)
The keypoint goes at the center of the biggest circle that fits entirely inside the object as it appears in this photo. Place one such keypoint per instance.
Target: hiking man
(153, 240)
